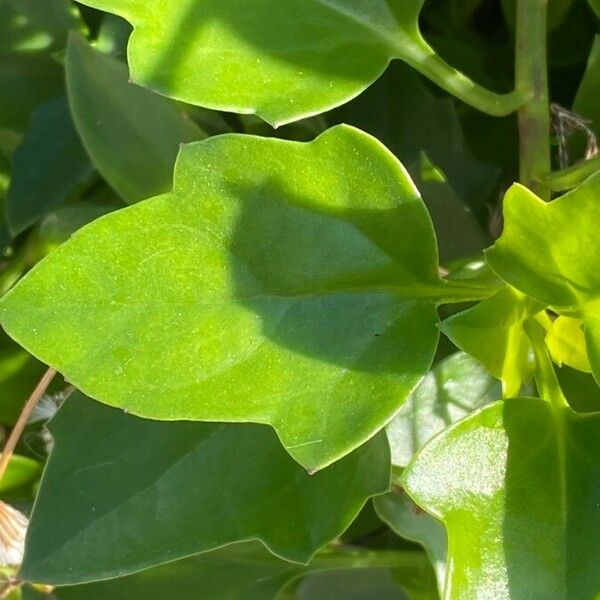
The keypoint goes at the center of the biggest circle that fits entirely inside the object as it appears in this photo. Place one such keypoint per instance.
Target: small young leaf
(492, 332)
(517, 487)
(283, 283)
(131, 134)
(48, 166)
(281, 60)
(121, 494)
(566, 343)
(550, 252)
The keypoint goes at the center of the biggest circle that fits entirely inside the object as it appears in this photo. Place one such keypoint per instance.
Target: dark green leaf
(30, 31)
(282, 283)
(131, 134)
(48, 166)
(247, 572)
(121, 494)
(410, 522)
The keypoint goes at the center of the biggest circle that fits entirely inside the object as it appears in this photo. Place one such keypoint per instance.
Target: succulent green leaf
(516, 485)
(407, 520)
(248, 572)
(280, 60)
(549, 251)
(566, 343)
(131, 134)
(48, 166)
(492, 332)
(455, 387)
(282, 283)
(179, 489)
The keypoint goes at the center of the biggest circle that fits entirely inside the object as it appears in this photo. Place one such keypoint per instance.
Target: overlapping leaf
(492, 332)
(121, 494)
(281, 60)
(550, 252)
(131, 134)
(30, 31)
(455, 387)
(48, 167)
(282, 283)
(516, 485)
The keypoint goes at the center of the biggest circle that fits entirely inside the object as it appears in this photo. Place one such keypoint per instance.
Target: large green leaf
(283, 283)
(48, 166)
(121, 494)
(30, 31)
(131, 134)
(247, 572)
(550, 252)
(455, 387)
(492, 332)
(281, 60)
(516, 485)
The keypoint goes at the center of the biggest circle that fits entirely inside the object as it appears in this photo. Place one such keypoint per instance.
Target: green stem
(531, 76)
(571, 177)
(423, 58)
(545, 376)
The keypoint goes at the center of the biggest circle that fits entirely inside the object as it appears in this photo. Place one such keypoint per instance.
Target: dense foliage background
(122, 496)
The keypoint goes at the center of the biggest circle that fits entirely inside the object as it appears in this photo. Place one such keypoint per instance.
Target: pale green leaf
(21, 470)
(516, 485)
(492, 332)
(131, 134)
(550, 252)
(283, 283)
(121, 494)
(566, 343)
(455, 387)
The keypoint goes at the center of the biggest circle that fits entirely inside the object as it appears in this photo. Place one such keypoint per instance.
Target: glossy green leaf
(247, 572)
(48, 166)
(492, 332)
(580, 389)
(517, 487)
(131, 134)
(179, 489)
(410, 522)
(282, 283)
(30, 31)
(282, 61)
(566, 343)
(21, 471)
(549, 251)
(455, 387)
